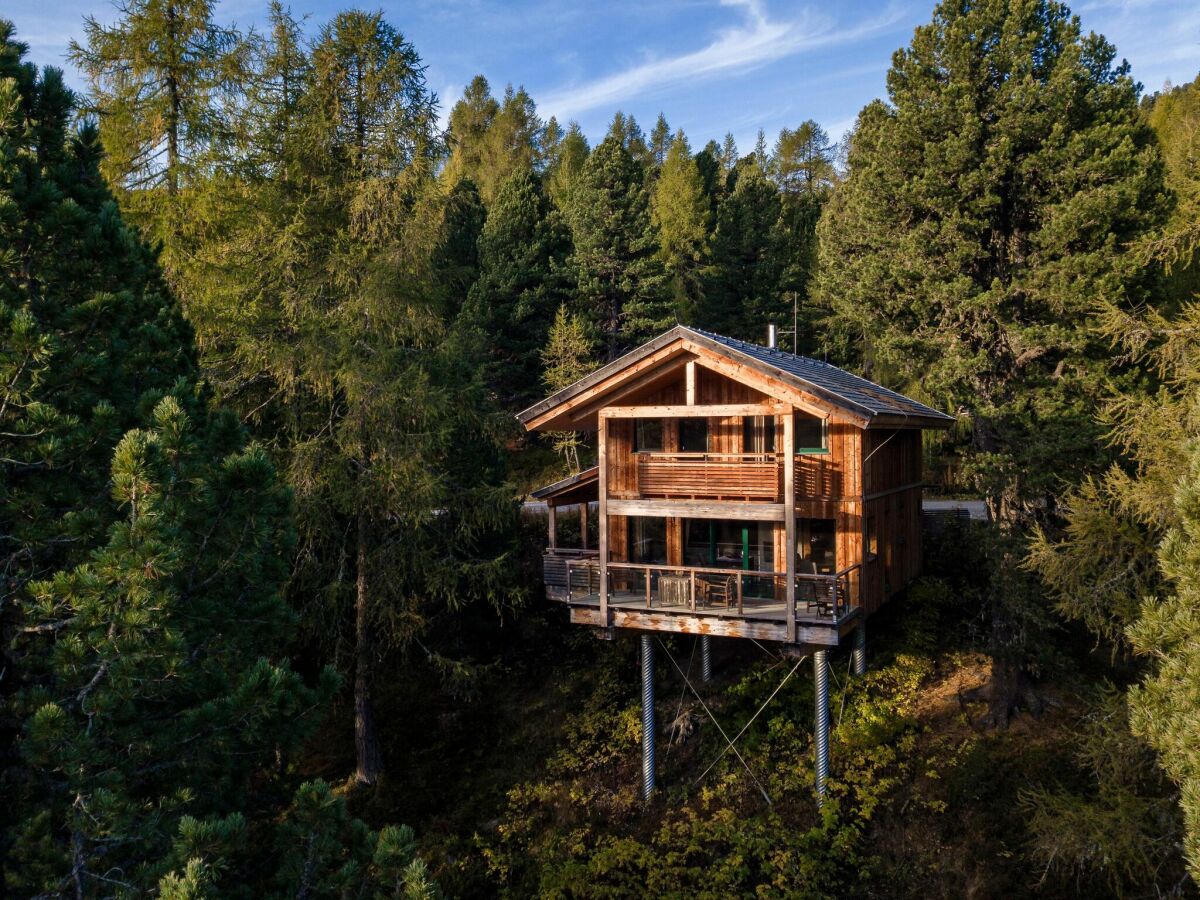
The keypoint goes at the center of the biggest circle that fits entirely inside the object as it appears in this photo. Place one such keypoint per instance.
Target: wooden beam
(552, 520)
(718, 410)
(652, 361)
(789, 521)
(690, 382)
(583, 524)
(688, 623)
(696, 509)
(666, 370)
(602, 461)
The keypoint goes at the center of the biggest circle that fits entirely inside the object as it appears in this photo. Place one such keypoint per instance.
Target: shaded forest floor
(527, 784)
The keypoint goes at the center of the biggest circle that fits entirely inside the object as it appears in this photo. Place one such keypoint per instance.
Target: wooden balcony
(719, 476)
(704, 600)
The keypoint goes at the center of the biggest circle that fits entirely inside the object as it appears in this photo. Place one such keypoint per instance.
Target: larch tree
(324, 303)
(565, 163)
(660, 141)
(985, 222)
(156, 77)
(566, 357)
(683, 217)
(1124, 563)
(621, 284)
(489, 140)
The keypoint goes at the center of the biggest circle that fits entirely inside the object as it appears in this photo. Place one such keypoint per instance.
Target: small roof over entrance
(583, 487)
(803, 382)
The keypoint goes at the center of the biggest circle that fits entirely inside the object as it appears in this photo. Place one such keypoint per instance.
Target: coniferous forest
(272, 621)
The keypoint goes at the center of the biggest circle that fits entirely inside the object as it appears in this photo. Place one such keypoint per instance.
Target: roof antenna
(771, 334)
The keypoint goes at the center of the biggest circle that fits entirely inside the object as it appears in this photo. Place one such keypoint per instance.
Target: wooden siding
(869, 481)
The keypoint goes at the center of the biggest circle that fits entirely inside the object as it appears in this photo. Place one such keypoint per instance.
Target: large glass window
(729, 545)
(647, 435)
(693, 435)
(648, 540)
(816, 547)
(758, 434)
(812, 434)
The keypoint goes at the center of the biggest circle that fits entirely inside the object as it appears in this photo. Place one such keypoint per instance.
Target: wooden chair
(720, 589)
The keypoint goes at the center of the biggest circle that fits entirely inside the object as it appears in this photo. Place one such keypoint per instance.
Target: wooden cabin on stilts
(742, 492)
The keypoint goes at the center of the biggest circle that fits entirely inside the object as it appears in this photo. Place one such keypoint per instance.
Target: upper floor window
(647, 435)
(812, 434)
(693, 435)
(758, 434)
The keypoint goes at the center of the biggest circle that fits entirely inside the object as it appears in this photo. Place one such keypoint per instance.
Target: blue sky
(711, 65)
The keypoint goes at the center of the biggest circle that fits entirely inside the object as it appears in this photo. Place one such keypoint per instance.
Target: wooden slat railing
(700, 588)
(751, 475)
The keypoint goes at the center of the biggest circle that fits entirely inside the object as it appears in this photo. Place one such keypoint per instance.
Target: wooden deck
(763, 620)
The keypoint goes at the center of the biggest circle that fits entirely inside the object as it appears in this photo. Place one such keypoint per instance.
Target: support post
(821, 729)
(552, 523)
(705, 658)
(583, 524)
(859, 653)
(648, 730)
(789, 520)
(602, 484)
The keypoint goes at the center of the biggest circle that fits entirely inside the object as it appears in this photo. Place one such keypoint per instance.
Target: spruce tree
(490, 140)
(621, 282)
(523, 279)
(741, 283)
(985, 220)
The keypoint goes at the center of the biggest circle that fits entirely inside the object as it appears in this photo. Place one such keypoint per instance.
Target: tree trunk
(369, 757)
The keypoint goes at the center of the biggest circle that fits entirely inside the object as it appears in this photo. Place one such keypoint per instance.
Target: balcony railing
(757, 476)
(706, 590)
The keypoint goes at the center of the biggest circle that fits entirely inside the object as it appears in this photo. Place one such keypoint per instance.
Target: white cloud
(757, 41)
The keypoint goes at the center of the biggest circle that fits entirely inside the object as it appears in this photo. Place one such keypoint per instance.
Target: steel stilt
(859, 653)
(821, 730)
(648, 730)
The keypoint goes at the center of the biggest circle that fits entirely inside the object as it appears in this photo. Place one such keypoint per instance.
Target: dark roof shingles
(868, 396)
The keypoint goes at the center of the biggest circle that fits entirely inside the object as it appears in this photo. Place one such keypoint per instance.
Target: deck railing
(757, 476)
(705, 589)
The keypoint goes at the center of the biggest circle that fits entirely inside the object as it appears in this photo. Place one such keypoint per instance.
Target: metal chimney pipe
(771, 336)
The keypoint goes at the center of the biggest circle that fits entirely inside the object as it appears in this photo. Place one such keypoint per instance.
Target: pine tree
(566, 358)
(158, 696)
(523, 279)
(90, 339)
(985, 219)
(621, 283)
(683, 218)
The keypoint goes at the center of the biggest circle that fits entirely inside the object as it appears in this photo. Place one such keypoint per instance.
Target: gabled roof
(873, 403)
